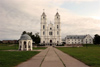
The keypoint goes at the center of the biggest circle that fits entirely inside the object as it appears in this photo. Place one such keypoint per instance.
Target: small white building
(79, 39)
(25, 43)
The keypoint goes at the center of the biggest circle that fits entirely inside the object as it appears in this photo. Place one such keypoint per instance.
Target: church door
(50, 42)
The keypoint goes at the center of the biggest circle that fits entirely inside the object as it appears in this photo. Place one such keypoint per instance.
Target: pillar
(22, 45)
(31, 45)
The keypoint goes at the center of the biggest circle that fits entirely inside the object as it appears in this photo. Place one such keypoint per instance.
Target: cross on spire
(43, 10)
(57, 10)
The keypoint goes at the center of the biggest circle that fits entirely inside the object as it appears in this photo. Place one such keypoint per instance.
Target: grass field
(15, 47)
(90, 55)
(13, 58)
(8, 46)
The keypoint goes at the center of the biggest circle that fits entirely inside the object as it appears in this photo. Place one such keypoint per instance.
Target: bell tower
(57, 28)
(43, 27)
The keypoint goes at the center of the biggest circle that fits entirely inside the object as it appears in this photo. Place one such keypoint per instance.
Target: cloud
(24, 15)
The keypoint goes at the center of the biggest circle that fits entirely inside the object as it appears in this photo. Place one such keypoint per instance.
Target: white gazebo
(25, 43)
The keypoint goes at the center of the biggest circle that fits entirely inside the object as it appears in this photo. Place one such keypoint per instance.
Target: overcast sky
(78, 17)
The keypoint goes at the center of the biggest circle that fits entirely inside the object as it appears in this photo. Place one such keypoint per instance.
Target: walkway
(52, 57)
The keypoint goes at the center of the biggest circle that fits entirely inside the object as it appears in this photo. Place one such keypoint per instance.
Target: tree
(96, 39)
(24, 32)
(0, 41)
(37, 38)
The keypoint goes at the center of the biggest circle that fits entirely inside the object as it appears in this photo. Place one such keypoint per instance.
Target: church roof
(43, 14)
(57, 13)
(75, 36)
(25, 37)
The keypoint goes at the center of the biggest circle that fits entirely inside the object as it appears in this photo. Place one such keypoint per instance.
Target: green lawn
(8, 46)
(13, 58)
(15, 47)
(89, 55)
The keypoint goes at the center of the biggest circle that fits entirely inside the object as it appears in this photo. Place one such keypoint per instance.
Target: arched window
(57, 26)
(43, 26)
(57, 33)
(43, 33)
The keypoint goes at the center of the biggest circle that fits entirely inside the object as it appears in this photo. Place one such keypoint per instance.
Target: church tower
(43, 27)
(57, 28)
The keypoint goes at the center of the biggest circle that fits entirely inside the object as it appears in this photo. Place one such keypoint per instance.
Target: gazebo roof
(25, 37)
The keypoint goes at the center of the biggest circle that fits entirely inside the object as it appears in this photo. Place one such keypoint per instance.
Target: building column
(31, 45)
(22, 46)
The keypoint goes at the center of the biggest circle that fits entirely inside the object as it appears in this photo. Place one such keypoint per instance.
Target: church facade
(50, 34)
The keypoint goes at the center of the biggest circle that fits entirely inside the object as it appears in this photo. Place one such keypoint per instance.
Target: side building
(78, 39)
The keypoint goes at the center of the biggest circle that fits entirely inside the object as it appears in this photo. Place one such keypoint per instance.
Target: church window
(43, 26)
(43, 33)
(57, 33)
(43, 41)
(50, 33)
(57, 26)
(50, 28)
(57, 41)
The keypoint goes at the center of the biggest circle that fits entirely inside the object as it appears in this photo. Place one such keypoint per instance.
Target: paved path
(52, 57)
(35, 61)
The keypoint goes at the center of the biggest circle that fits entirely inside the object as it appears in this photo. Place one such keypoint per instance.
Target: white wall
(87, 40)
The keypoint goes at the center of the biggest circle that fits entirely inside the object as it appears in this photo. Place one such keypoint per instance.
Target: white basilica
(50, 34)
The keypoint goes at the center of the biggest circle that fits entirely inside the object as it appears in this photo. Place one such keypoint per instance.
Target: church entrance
(50, 42)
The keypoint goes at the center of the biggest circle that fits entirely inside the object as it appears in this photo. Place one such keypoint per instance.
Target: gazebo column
(22, 46)
(31, 45)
